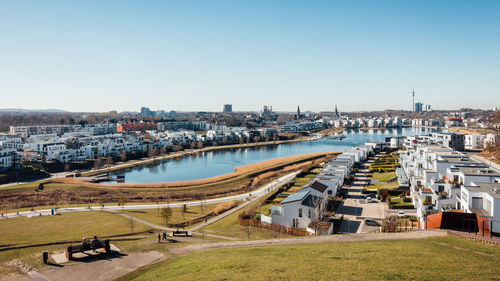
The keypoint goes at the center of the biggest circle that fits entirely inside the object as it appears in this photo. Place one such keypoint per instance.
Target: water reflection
(212, 163)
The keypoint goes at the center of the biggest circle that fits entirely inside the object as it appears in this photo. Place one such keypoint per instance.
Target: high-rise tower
(413, 101)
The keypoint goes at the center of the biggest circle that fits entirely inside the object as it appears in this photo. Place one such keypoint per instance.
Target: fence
(245, 220)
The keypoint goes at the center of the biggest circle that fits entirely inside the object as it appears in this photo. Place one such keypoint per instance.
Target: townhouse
(440, 177)
(483, 199)
(305, 208)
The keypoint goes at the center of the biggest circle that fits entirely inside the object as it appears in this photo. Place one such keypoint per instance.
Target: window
(309, 213)
(295, 223)
(477, 203)
(300, 212)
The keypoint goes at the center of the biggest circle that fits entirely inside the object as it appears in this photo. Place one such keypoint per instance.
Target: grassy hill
(446, 258)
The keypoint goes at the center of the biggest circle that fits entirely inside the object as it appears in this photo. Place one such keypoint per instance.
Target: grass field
(178, 216)
(23, 231)
(383, 177)
(446, 258)
(229, 226)
(398, 202)
(65, 227)
(391, 185)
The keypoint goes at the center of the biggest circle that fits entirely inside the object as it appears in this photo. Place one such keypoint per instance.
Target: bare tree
(123, 199)
(108, 162)
(101, 201)
(123, 156)
(166, 213)
(131, 223)
(97, 163)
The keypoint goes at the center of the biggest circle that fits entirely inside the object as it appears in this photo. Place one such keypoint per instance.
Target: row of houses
(306, 208)
(456, 141)
(442, 179)
(92, 129)
(65, 143)
(362, 122)
(298, 126)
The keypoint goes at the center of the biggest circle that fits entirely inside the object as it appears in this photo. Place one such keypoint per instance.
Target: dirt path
(309, 240)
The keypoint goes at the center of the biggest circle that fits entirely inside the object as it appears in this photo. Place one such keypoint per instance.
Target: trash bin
(45, 256)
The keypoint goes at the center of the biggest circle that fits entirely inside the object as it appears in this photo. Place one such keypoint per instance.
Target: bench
(89, 246)
(180, 233)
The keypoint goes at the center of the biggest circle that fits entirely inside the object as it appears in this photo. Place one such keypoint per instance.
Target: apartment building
(26, 131)
(9, 159)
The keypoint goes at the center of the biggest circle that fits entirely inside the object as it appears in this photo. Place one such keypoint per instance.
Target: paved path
(311, 240)
(252, 195)
(99, 270)
(487, 162)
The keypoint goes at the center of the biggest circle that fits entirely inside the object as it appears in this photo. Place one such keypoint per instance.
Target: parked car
(372, 222)
(401, 214)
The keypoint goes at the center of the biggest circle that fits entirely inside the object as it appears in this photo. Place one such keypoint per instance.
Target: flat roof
(477, 171)
(485, 187)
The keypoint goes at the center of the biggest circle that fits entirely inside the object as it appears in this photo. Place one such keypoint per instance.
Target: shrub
(222, 207)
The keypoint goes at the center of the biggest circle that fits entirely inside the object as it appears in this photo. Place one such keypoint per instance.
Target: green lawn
(391, 185)
(229, 226)
(65, 227)
(178, 216)
(446, 258)
(383, 177)
(25, 231)
(398, 202)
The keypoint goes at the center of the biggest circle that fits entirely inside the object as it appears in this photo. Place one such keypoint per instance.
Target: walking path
(487, 162)
(252, 195)
(311, 240)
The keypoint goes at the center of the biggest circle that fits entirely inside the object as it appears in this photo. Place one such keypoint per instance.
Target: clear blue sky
(198, 55)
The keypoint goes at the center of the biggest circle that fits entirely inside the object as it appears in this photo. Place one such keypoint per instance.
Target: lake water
(213, 163)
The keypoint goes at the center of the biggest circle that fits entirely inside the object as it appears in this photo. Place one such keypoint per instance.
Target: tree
(123, 156)
(56, 197)
(97, 163)
(108, 162)
(101, 201)
(123, 199)
(166, 213)
(131, 223)
(184, 210)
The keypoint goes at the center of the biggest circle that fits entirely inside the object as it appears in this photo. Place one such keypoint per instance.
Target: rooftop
(477, 171)
(311, 200)
(485, 187)
(295, 196)
(317, 186)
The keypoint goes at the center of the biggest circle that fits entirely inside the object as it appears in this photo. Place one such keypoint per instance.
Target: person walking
(159, 237)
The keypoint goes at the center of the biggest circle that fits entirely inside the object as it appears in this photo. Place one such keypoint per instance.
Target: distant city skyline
(96, 56)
